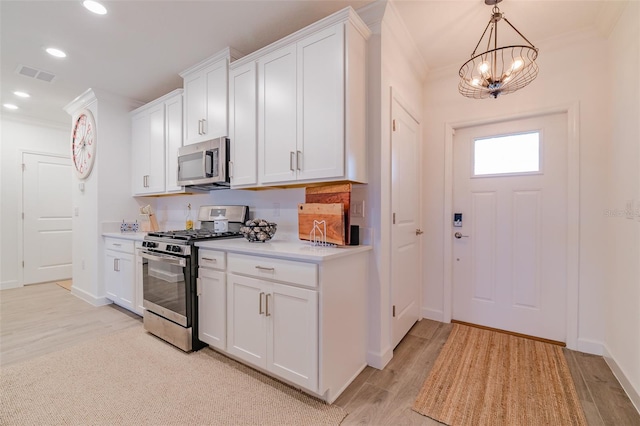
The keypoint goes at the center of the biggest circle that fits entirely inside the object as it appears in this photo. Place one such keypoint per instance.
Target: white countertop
(300, 250)
(135, 236)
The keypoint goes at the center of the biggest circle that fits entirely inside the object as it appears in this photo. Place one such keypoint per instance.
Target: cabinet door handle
(267, 313)
(116, 265)
(199, 127)
(198, 286)
(291, 161)
(264, 268)
(230, 169)
(260, 310)
(117, 245)
(298, 160)
(204, 126)
(210, 260)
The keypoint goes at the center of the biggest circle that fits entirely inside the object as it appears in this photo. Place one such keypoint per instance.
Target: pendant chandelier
(498, 70)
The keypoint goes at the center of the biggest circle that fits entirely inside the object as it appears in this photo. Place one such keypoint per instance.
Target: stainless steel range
(170, 265)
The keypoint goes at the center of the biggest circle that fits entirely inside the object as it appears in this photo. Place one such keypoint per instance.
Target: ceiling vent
(35, 73)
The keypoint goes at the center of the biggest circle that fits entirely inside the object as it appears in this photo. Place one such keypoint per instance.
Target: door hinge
(394, 124)
(394, 311)
(394, 218)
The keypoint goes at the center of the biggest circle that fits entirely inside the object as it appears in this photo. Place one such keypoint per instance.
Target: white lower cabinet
(302, 321)
(274, 327)
(119, 275)
(212, 307)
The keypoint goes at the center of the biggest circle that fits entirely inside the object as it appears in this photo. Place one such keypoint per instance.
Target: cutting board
(318, 219)
(334, 193)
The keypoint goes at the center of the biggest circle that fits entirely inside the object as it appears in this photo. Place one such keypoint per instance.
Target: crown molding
(609, 15)
(395, 24)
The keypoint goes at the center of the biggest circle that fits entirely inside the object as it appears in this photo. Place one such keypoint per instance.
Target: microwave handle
(207, 163)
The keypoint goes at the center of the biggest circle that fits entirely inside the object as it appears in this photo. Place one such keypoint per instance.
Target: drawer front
(119, 245)
(288, 271)
(212, 259)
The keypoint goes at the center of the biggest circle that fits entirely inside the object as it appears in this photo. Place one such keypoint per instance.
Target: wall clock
(83, 143)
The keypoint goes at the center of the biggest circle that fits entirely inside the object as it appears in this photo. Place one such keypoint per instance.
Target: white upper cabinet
(173, 139)
(277, 116)
(206, 98)
(311, 105)
(148, 150)
(156, 135)
(243, 125)
(321, 98)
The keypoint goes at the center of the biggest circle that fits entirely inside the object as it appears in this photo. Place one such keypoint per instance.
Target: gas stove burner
(193, 234)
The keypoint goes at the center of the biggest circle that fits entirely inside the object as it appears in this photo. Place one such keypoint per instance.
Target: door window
(509, 154)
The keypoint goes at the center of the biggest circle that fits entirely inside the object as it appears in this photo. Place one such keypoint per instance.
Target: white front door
(509, 257)
(406, 273)
(47, 207)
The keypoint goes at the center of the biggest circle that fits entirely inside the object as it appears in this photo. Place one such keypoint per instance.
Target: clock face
(83, 143)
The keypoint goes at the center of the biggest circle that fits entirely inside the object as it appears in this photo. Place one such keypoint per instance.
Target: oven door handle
(167, 259)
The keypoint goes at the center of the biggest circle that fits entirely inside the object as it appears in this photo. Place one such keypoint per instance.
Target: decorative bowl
(258, 230)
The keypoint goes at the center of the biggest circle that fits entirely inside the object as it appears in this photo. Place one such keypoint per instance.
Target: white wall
(107, 191)
(392, 64)
(622, 342)
(17, 137)
(576, 73)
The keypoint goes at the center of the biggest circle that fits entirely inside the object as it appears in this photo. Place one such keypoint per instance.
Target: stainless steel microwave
(205, 165)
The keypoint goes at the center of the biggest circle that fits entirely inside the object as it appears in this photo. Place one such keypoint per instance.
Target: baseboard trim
(632, 393)
(432, 314)
(90, 298)
(379, 359)
(589, 346)
(6, 285)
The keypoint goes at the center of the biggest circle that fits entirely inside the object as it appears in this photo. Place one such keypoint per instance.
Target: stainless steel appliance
(169, 272)
(205, 165)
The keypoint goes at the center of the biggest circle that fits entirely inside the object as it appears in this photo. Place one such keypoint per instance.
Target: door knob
(459, 235)
(419, 232)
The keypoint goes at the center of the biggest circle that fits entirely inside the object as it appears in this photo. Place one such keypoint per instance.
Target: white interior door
(406, 272)
(510, 254)
(47, 207)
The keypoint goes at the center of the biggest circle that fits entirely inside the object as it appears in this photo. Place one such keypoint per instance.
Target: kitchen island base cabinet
(274, 327)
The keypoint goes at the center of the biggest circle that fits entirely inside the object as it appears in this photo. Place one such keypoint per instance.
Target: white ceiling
(139, 47)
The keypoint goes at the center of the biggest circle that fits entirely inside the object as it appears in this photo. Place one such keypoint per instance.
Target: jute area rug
(483, 377)
(133, 378)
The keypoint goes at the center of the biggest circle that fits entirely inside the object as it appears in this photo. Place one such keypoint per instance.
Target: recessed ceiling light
(95, 7)
(10, 106)
(22, 94)
(56, 52)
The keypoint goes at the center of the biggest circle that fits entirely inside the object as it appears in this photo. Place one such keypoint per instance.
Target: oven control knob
(175, 249)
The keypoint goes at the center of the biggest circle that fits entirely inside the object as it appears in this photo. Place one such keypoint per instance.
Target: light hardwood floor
(43, 318)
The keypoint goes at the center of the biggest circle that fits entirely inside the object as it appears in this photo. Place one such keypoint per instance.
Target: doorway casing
(573, 213)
